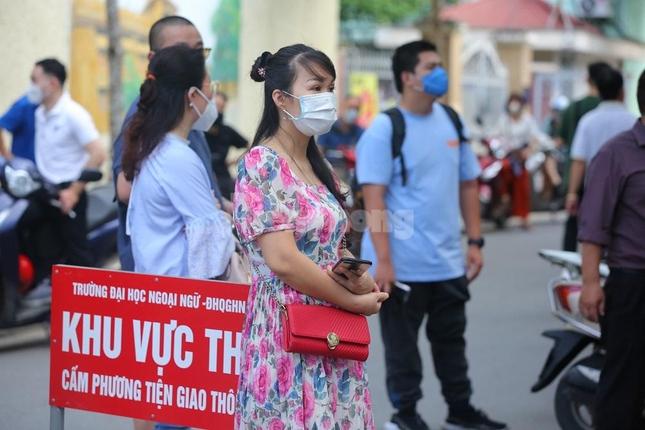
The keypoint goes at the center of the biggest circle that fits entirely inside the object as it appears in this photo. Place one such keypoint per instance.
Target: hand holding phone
(354, 265)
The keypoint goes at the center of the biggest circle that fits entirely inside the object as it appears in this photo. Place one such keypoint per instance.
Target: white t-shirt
(521, 132)
(598, 126)
(61, 137)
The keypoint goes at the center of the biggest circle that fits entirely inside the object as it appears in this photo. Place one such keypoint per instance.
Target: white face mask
(350, 115)
(35, 94)
(514, 107)
(206, 118)
(318, 112)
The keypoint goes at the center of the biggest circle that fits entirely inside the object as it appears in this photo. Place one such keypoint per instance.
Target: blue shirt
(423, 215)
(336, 137)
(197, 143)
(173, 221)
(19, 120)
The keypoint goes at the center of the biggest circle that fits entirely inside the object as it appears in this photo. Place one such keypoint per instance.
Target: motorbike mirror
(90, 175)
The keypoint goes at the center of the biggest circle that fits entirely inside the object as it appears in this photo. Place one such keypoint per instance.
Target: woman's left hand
(356, 284)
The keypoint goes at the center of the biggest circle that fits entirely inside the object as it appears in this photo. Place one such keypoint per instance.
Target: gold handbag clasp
(332, 340)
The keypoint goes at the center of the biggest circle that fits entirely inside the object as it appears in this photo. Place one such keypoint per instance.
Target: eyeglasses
(207, 52)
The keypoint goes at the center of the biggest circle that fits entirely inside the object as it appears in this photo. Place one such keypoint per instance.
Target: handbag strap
(273, 293)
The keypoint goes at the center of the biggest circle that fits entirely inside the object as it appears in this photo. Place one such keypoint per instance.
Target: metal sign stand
(56, 418)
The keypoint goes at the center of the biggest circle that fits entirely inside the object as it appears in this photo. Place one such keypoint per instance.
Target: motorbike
(576, 389)
(493, 206)
(22, 192)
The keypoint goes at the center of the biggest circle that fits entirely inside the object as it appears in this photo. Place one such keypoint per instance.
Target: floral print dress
(277, 389)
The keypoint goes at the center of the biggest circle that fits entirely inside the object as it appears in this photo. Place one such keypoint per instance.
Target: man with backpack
(416, 170)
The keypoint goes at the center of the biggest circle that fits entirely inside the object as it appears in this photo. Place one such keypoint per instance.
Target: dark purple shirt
(612, 212)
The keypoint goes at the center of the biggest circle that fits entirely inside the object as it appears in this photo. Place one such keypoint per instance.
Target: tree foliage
(387, 11)
(380, 11)
(226, 27)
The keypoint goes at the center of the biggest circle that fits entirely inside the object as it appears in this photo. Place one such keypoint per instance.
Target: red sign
(150, 347)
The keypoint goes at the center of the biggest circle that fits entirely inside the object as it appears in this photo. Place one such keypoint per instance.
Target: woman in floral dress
(291, 223)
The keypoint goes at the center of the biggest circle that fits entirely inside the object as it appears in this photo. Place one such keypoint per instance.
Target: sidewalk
(536, 218)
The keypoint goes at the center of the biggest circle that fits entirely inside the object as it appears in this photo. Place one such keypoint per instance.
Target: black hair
(609, 83)
(55, 68)
(171, 73)
(278, 72)
(516, 97)
(155, 39)
(406, 58)
(594, 70)
(640, 93)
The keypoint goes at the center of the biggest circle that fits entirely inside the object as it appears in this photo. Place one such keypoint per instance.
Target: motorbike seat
(101, 206)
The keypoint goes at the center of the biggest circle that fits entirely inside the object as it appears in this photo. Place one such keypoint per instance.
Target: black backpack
(398, 136)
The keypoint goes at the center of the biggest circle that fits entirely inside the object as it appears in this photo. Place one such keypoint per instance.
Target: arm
(605, 182)
(123, 188)
(299, 272)
(578, 156)
(374, 198)
(470, 208)
(69, 196)
(3, 149)
(576, 176)
(542, 139)
(592, 298)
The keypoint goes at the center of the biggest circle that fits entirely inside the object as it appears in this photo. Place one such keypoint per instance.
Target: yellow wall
(268, 25)
(89, 62)
(31, 31)
(518, 60)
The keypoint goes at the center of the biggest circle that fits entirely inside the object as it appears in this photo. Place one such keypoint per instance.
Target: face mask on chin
(206, 118)
(318, 112)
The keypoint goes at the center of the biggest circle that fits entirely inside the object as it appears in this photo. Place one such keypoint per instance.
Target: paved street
(508, 311)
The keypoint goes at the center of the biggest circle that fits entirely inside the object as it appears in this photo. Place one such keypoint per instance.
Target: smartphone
(401, 291)
(354, 265)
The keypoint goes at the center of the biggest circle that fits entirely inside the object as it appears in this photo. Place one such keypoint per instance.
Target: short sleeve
(83, 126)
(579, 150)
(14, 118)
(374, 153)
(208, 232)
(469, 168)
(604, 183)
(265, 195)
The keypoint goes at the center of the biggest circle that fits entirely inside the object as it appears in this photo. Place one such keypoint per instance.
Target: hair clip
(151, 77)
(262, 71)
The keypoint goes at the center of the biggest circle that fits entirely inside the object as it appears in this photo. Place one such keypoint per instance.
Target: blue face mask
(435, 83)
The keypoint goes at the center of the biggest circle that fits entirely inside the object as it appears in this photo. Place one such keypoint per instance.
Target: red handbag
(324, 330)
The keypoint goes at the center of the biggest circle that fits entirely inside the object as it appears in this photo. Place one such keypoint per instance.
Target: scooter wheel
(571, 415)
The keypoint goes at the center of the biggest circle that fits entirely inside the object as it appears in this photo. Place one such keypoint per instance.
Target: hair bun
(258, 71)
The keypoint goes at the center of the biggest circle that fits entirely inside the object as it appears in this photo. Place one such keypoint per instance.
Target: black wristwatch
(479, 242)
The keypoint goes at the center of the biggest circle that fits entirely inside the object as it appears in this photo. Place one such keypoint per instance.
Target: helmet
(559, 102)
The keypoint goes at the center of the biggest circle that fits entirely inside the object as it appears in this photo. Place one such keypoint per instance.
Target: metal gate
(485, 84)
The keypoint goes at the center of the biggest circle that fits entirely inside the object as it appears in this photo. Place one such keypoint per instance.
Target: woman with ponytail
(173, 220)
(288, 211)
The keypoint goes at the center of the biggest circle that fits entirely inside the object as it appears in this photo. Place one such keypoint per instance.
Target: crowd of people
(181, 212)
